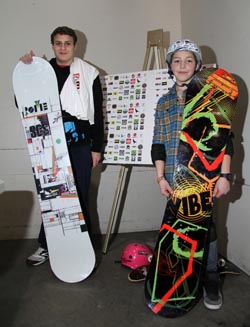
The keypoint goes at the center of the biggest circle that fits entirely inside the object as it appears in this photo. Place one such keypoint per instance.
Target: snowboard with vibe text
(71, 254)
(175, 274)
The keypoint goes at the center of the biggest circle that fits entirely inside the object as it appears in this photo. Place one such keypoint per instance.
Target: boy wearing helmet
(184, 60)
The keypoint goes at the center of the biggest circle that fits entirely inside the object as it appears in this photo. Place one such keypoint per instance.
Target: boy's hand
(28, 57)
(222, 187)
(165, 188)
(96, 157)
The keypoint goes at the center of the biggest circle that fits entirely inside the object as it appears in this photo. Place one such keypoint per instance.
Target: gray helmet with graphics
(184, 45)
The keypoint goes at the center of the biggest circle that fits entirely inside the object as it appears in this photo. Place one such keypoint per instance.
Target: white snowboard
(71, 254)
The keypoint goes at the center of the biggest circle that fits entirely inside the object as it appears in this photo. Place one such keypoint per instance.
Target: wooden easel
(114, 208)
(155, 44)
(155, 50)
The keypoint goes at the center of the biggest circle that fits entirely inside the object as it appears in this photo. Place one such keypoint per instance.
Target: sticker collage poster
(129, 103)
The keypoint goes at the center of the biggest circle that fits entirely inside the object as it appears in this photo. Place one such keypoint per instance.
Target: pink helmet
(135, 255)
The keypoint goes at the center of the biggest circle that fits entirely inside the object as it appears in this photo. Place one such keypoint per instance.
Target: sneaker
(39, 257)
(212, 297)
(138, 275)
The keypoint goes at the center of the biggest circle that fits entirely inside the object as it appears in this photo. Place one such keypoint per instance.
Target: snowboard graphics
(71, 254)
(175, 273)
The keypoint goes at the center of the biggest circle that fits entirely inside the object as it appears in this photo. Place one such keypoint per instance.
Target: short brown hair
(63, 30)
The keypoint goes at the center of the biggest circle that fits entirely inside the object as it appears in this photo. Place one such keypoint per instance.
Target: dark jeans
(81, 162)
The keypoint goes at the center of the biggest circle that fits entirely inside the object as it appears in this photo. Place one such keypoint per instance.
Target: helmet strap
(181, 85)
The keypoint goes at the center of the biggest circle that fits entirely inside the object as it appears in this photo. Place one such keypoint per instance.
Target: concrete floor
(33, 296)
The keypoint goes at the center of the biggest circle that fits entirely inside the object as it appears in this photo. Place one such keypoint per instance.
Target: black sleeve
(158, 152)
(97, 129)
(230, 146)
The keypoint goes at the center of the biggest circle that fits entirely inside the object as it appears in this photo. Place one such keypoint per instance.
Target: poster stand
(155, 52)
(114, 207)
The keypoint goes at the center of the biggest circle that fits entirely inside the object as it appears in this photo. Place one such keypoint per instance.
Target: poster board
(129, 104)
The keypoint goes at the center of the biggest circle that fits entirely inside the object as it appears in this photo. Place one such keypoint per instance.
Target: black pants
(81, 162)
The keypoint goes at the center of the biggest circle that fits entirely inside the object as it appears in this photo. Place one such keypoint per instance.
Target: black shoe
(212, 297)
(138, 275)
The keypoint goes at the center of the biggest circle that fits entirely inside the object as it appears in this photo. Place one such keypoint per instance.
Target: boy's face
(64, 49)
(183, 66)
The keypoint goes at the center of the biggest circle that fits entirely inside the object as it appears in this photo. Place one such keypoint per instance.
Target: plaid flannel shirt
(168, 120)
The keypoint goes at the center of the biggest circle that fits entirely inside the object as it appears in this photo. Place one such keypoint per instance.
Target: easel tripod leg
(113, 211)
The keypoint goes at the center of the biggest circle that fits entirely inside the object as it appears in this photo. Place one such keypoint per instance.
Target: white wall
(112, 36)
(221, 28)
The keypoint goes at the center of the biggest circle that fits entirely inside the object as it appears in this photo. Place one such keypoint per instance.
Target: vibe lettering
(195, 203)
